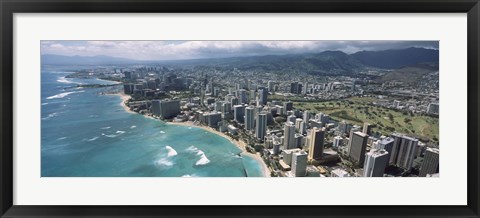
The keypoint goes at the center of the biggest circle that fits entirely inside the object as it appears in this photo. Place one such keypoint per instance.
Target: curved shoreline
(239, 144)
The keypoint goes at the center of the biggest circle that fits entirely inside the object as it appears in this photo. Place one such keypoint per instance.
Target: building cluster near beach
(282, 119)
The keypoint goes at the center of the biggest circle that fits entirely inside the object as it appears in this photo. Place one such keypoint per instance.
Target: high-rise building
(292, 118)
(306, 116)
(261, 126)
(298, 140)
(242, 95)
(375, 163)
(289, 136)
(358, 146)
(263, 93)
(299, 164)
(238, 113)
(430, 162)
(367, 128)
(276, 147)
(271, 86)
(287, 106)
(294, 87)
(337, 141)
(303, 128)
(128, 88)
(166, 108)
(226, 107)
(403, 151)
(352, 130)
(128, 75)
(305, 88)
(317, 137)
(298, 122)
(386, 143)
(234, 101)
(249, 118)
(213, 118)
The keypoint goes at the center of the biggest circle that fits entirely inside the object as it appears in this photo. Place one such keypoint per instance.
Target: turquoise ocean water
(86, 134)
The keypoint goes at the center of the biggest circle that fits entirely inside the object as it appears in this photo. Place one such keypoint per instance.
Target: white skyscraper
(375, 163)
(403, 151)
(299, 164)
(289, 136)
(306, 116)
(337, 140)
(430, 162)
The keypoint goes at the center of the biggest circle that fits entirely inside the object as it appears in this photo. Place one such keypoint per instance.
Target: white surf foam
(107, 127)
(50, 116)
(203, 158)
(62, 95)
(92, 139)
(133, 127)
(164, 162)
(162, 132)
(61, 138)
(171, 151)
(44, 103)
(64, 80)
(113, 135)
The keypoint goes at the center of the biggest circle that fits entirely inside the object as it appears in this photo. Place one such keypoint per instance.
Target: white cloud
(168, 50)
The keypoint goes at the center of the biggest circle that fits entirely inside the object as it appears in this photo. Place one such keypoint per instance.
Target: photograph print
(239, 108)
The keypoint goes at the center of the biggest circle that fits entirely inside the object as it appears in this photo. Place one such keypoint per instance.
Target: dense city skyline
(325, 114)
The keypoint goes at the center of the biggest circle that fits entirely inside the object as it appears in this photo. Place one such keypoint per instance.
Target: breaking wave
(50, 116)
(203, 158)
(171, 151)
(132, 127)
(164, 162)
(61, 95)
(92, 139)
(64, 80)
(113, 135)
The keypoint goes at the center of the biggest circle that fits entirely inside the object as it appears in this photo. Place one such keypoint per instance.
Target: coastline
(123, 103)
(240, 144)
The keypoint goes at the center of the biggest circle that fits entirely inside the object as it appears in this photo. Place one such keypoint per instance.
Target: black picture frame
(9, 7)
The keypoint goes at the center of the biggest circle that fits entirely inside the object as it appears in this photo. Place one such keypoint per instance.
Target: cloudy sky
(175, 50)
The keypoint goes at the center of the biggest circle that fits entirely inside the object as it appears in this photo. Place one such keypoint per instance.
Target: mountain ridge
(330, 61)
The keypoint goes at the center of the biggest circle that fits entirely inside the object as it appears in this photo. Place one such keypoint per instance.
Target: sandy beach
(240, 144)
(124, 98)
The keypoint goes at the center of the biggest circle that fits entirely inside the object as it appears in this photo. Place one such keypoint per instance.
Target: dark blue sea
(87, 134)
